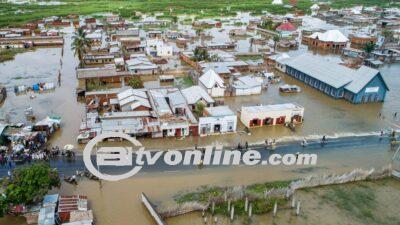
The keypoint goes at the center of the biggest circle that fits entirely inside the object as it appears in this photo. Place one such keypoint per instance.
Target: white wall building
(158, 48)
(212, 83)
(265, 115)
(247, 85)
(217, 120)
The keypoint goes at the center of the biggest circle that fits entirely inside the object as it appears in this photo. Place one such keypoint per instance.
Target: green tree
(174, 19)
(369, 47)
(80, 44)
(30, 184)
(200, 54)
(276, 39)
(135, 82)
(199, 109)
(3, 205)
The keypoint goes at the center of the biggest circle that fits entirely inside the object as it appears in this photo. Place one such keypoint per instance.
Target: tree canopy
(29, 184)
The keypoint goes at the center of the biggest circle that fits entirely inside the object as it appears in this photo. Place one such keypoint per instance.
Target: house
(314, 9)
(225, 67)
(174, 121)
(238, 32)
(133, 100)
(140, 64)
(267, 115)
(286, 29)
(217, 120)
(157, 34)
(331, 39)
(98, 59)
(195, 95)
(157, 48)
(212, 83)
(361, 85)
(128, 33)
(360, 40)
(277, 2)
(95, 39)
(132, 44)
(246, 85)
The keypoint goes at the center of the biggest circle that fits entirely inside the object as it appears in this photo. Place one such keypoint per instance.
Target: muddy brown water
(118, 202)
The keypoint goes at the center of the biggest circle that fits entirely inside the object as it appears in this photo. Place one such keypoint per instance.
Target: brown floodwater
(118, 202)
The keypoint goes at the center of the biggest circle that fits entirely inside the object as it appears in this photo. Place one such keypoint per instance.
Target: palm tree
(80, 44)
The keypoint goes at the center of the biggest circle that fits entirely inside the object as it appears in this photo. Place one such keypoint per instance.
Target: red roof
(287, 26)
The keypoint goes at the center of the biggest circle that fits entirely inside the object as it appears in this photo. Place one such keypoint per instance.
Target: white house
(212, 83)
(247, 85)
(140, 65)
(314, 9)
(277, 2)
(157, 48)
(196, 94)
(133, 100)
(217, 120)
(265, 115)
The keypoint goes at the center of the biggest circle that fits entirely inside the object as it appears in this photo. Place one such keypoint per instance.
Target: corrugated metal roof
(332, 73)
(196, 93)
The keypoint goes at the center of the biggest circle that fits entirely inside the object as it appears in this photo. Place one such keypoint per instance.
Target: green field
(12, 14)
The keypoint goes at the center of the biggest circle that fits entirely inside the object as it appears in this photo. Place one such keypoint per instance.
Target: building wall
(367, 94)
(316, 84)
(374, 91)
(248, 91)
(285, 116)
(207, 125)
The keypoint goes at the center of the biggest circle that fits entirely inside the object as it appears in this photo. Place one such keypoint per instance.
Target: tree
(200, 54)
(80, 44)
(174, 19)
(369, 47)
(4, 207)
(30, 184)
(199, 109)
(135, 82)
(276, 39)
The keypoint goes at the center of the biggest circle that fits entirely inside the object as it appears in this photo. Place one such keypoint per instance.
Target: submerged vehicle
(289, 88)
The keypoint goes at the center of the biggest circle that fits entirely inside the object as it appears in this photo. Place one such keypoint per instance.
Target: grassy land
(9, 54)
(260, 205)
(358, 201)
(127, 9)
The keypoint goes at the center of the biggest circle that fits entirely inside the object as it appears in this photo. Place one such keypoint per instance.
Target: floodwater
(118, 202)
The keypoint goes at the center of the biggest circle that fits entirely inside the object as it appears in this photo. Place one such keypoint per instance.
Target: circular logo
(99, 138)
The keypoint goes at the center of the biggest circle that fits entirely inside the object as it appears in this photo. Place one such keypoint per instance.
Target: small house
(217, 120)
(267, 115)
(195, 95)
(247, 85)
(133, 100)
(212, 83)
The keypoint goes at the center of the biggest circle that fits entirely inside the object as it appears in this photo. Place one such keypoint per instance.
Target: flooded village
(323, 80)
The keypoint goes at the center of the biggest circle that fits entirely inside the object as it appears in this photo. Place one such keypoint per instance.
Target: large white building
(217, 120)
(265, 115)
(157, 48)
(212, 83)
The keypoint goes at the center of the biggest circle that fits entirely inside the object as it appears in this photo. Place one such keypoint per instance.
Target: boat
(289, 88)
